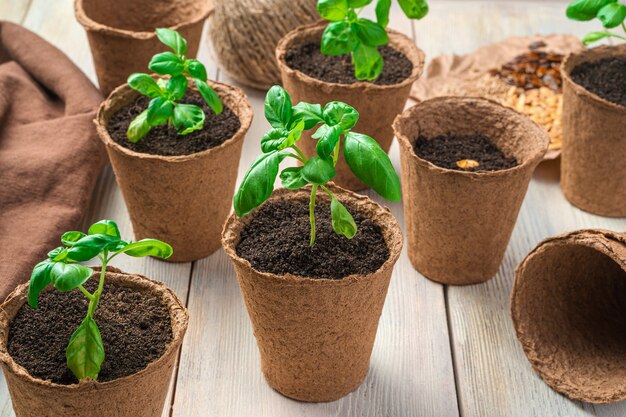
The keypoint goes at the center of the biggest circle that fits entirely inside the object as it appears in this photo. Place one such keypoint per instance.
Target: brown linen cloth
(50, 155)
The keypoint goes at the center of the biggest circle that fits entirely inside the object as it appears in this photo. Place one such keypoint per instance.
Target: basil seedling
(334, 122)
(85, 351)
(347, 33)
(610, 12)
(166, 94)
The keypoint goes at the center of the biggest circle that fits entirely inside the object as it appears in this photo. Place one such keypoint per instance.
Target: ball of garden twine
(244, 34)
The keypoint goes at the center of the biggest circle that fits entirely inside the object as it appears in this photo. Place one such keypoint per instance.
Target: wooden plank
(14, 10)
(493, 375)
(411, 372)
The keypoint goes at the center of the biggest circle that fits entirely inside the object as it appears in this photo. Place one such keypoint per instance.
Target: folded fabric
(50, 155)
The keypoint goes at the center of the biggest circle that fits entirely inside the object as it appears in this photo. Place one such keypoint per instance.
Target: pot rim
(179, 322)
(125, 93)
(94, 26)
(406, 144)
(391, 231)
(415, 55)
(591, 55)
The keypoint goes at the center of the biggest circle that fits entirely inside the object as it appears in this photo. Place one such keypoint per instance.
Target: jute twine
(244, 34)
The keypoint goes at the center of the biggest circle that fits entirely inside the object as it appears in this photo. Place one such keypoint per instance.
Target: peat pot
(593, 163)
(458, 222)
(315, 336)
(121, 33)
(377, 105)
(141, 394)
(568, 307)
(182, 200)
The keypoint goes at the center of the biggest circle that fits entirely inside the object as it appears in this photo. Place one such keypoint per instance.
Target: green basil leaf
(368, 63)
(90, 246)
(358, 3)
(318, 171)
(371, 165)
(159, 111)
(278, 108)
(139, 127)
(320, 132)
(145, 84)
(39, 279)
(342, 221)
(148, 247)
(291, 178)
(273, 139)
(59, 252)
(173, 40)
(326, 144)
(105, 227)
(593, 37)
(176, 86)
(311, 114)
(338, 39)
(382, 12)
(166, 63)
(294, 135)
(196, 69)
(586, 9)
(210, 96)
(258, 183)
(371, 33)
(333, 10)
(187, 118)
(612, 15)
(67, 277)
(68, 239)
(414, 9)
(340, 113)
(85, 351)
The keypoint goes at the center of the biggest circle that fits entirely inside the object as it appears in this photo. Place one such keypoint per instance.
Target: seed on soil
(467, 163)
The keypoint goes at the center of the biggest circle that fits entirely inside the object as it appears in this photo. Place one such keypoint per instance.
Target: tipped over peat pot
(377, 104)
(141, 394)
(121, 33)
(459, 223)
(180, 199)
(593, 163)
(568, 305)
(315, 335)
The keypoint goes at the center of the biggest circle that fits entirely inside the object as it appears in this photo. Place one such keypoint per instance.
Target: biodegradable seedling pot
(121, 33)
(377, 105)
(459, 223)
(593, 163)
(315, 335)
(182, 200)
(142, 394)
(568, 311)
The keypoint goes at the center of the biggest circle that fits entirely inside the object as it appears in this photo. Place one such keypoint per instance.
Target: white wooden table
(440, 351)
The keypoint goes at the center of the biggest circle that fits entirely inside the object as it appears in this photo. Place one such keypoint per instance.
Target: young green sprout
(347, 33)
(363, 155)
(165, 94)
(85, 351)
(610, 12)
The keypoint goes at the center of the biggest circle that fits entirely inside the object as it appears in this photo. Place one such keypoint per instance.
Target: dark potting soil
(277, 241)
(135, 328)
(165, 140)
(606, 78)
(308, 59)
(446, 151)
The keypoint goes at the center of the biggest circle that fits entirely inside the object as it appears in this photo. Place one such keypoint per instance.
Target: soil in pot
(136, 329)
(605, 78)
(165, 140)
(463, 153)
(276, 240)
(308, 59)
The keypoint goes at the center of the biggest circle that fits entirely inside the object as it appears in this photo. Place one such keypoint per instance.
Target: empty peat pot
(568, 306)
(184, 199)
(593, 163)
(121, 33)
(377, 104)
(141, 394)
(315, 336)
(459, 223)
